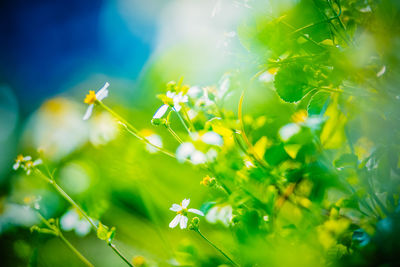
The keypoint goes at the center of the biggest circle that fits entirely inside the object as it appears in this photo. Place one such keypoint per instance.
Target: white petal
(185, 203)
(37, 162)
(69, 220)
(287, 131)
(16, 166)
(103, 92)
(212, 214)
(155, 140)
(88, 112)
(160, 111)
(82, 228)
(183, 222)
(185, 99)
(198, 212)
(177, 107)
(27, 158)
(194, 91)
(212, 138)
(176, 207)
(198, 157)
(184, 151)
(170, 94)
(175, 221)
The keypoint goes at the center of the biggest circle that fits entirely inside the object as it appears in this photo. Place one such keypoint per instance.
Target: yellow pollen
(183, 211)
(299, 116)
(90, 98)
(29, 163)
(19, 158)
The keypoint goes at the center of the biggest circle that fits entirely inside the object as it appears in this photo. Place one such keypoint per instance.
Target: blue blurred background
(47, 46)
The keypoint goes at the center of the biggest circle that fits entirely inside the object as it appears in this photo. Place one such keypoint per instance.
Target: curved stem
(182, 120)
(214, 246)
(56, 231)
(132, 130)
(172, 132)
(114, 248)
(76, 206)
(80, 256)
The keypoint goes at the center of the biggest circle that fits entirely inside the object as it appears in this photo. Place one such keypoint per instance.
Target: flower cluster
(26, 163)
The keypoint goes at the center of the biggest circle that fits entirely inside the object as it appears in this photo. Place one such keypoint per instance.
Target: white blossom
(91, 98)
(181, 214)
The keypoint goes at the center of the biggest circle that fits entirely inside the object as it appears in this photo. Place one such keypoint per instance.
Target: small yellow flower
(90, 98)
(139, 261)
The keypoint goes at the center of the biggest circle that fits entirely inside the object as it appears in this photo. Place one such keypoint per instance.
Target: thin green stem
(132, 130)
(114, 248)
(214, 246)
(188, 119)
(58, 233)
(76, 206)
(172, 132)
(80, 256)
(182, 121)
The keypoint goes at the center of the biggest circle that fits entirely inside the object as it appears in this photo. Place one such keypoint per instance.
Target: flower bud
(158, 122)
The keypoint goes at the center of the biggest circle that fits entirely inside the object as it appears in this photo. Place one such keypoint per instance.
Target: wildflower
(212, 138)
(170, 99)
(160, 112)
(71, 220)
(155, 140)
(26, 163)
(187, 150)
(182, 212)
(92, 97)
(21, 160)
(208, 181)
(220, 213)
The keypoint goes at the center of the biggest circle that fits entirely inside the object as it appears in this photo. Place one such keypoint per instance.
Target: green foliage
(301, 170)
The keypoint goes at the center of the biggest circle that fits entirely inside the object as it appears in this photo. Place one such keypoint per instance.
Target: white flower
(198, 157)
(178, 99)
(212, 138)
(221, 214)
(156, 140)
(20, 160)
(184, 151)
(194, 92)
(181, 216)
(188, 151)
(72, 221)
(26, 163)
(287, 131)
(91, 98)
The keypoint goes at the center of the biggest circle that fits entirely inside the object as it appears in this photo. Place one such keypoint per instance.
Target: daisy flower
(21, 160)
(171, 99)
(181, 214)
(26, 163)
(92, 97)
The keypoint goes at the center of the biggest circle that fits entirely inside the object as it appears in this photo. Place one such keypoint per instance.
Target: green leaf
(346, 160)
(318, 103)
(292, 83)
(276, 155)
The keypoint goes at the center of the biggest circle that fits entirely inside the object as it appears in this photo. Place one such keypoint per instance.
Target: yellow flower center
(183, 211)
(90, 98)
(29, 164)
(19, 158)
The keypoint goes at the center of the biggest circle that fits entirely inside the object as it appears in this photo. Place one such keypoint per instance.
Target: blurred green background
(138, 47)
